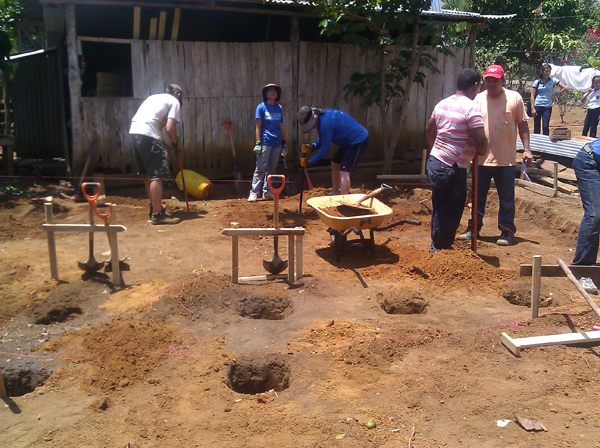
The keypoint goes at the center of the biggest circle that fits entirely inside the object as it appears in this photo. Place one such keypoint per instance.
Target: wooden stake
(536, 280)
(176, 18)
(51, 242)
(235, 265)
(516, 345)
(3, 393)
(583, 292)
(555, 179)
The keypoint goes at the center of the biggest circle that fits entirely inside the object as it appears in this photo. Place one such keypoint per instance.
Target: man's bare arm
(479, 139)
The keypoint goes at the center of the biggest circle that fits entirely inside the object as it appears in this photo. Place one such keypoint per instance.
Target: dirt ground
(180, 356)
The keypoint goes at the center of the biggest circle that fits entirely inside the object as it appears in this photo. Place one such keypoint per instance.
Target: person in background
(501, 61)
(593, 112)
(155, 113)
(542, 97)
(587, 170)
(334, 126)
(455, 126)
(270, 141)
(504, 116)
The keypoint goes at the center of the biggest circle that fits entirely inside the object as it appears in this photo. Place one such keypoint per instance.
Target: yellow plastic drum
(195, 184)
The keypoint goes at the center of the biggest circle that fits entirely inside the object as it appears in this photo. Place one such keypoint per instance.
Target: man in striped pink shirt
(455, 132)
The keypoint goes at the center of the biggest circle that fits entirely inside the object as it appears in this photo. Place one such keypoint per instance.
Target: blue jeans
(266, 163)
(449, 191)
(542, 114)
(591, 122)
(588, 180)
(504, 177)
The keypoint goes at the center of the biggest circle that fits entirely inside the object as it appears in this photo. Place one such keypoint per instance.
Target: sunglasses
(271, 90)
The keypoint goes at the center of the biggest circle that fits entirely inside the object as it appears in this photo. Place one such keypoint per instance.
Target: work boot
(467, 235)
(506, 239)
(161, 218)
(268, 196)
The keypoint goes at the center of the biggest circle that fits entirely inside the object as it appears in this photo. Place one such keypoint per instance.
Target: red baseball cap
(494, 71)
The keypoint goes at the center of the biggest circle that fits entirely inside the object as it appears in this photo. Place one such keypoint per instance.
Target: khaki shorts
(151, 156)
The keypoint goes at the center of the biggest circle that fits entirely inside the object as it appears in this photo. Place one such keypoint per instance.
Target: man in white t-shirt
(156, 112)
(504, 115)
(454, 134)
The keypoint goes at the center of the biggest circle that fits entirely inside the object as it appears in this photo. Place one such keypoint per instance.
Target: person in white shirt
(593, 113)
(156, 112)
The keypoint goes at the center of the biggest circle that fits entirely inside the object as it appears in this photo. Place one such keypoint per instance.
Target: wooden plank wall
(223, 81)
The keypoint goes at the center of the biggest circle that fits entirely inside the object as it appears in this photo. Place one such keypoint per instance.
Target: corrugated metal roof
(563, 148)
(445, 13)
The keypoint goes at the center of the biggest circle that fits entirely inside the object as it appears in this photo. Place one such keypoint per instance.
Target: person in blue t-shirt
(587, 169)
(542, 96)
(334, 126)
(269, 141)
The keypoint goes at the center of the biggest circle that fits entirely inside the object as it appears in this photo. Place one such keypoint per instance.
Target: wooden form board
(551, 270)
(223, 81)
(516, 345)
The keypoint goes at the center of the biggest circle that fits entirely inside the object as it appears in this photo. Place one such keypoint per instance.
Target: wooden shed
(222, 53)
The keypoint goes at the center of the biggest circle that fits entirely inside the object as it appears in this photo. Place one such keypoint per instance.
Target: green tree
(396, 32)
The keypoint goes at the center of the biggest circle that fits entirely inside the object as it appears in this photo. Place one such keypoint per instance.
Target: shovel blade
(90, 265)
(276, 265)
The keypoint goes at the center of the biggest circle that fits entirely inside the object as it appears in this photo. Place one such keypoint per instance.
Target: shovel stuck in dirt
(91, 265)
(276, 265)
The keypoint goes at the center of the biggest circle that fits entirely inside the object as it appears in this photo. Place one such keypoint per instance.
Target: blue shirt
(272, 117)
(544, 92)
(339, 128)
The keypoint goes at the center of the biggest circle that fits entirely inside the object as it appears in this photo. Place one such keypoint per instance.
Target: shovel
(357, 205)
(237, 174)
(276, 264)
(91, 265)
(290, 188)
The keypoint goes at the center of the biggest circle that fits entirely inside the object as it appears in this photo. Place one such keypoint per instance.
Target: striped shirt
(454, 117)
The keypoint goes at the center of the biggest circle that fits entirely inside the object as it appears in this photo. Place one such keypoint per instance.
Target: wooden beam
(176, 19)
(106, 40)
(540, 188)
(536, 280)
(51, 243)
(153, 26)
(137, 17)
(580, 288)
(549, 270)
(162, 23)
(50, 228)
(516, 345)
(263, 232)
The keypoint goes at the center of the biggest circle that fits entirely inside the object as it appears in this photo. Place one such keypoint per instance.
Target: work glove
(283, 149)
(306, 148)
(257, 148)
(304, 162)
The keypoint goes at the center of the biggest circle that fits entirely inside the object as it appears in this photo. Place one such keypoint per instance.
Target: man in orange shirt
(503, 115)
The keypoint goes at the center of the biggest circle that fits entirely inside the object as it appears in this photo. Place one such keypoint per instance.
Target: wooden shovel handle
(369, 195)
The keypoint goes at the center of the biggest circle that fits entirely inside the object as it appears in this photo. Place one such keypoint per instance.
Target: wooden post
(153, 26)
(176, 19)
(536, 280)
(137, 17)
(114, 250)
(299, 263)
(74, 86)
(474, 226)
(472, 40)
(424, 162)
(583, 292)
(3, 393)
(234, 259)
(555, 179)
(162, 22)
(291, 260)
(295, 38)
(51, 242)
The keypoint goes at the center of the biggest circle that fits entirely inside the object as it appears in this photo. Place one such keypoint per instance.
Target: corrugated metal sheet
(562, 148)
(38, 105)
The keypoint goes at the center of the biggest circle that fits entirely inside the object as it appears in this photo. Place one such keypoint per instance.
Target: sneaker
(268, 196)
(467, 235)
(252, 197)
(331, 193)
(162, 218)
(588, 285)
(506, 239)
(163, 210)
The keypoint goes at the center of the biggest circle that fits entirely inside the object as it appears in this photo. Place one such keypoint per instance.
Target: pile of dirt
(118, 354)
